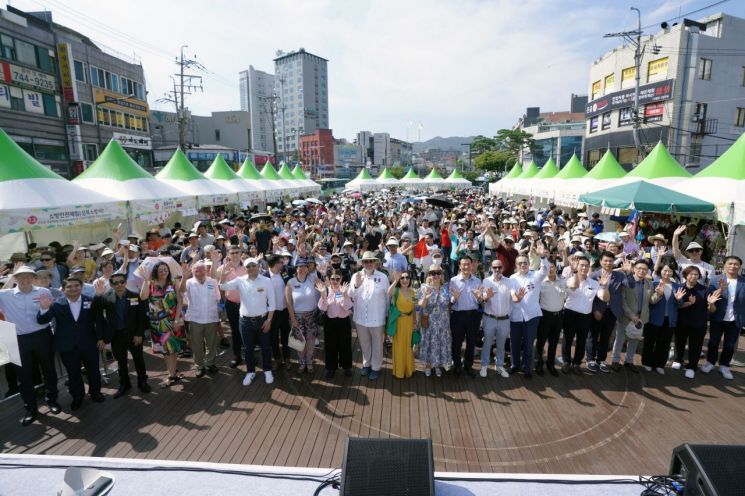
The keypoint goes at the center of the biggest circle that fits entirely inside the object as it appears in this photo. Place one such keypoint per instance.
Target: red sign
(654, 112)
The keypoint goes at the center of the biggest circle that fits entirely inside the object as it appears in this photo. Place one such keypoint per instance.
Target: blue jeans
(494, 328)
(522, 335)
(731, 332)
(251, 333)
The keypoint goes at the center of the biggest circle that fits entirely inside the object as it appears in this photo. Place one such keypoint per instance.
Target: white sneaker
(427, 372)
(706, 367)
(726, 372)
(482, 372)
(503, 372)
(690, 374)
(248, 379)
(438, 371)
(647, 368)
(676, 366)
(268, 376)
(660, 370)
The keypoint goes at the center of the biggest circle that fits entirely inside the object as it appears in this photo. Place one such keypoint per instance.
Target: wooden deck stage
(618, 423)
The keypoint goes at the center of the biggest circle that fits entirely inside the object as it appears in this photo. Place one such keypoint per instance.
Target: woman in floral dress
(164, 314)
(435, 346)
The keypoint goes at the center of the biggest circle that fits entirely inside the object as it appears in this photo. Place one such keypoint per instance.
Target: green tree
(481, 144)
(494, 161)
(397, 171)
(471, 175)
(513, 141)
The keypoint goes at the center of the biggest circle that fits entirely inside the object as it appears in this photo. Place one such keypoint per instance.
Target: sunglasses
(117, 283)
(335, 278)
(45, 259)
(368, 261)
(436, 273)
(495, 267)
(405, 277)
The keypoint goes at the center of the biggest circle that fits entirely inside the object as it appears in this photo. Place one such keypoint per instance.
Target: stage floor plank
(618, 423)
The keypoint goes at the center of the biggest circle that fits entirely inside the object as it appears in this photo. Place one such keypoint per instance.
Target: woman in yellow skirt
(405, 300)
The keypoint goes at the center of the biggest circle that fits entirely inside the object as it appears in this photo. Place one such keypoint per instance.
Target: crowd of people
(535, 289)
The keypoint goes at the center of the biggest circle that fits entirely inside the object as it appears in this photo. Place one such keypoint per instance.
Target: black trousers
(576, 324)
(337, 340)
(252, 334)
(599, 338)
(464, 325)
(695, 337)
(656, 344)
(280, 334)
(234, 317)
(89, 358)
(36, 351)
(121, 343)
(549, 330)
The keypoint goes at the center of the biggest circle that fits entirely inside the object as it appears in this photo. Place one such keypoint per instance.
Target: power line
(688, 13)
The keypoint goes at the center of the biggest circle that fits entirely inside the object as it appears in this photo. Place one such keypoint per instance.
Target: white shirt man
(552, 297)
(202, 313)
(369, 291)
(497, 296)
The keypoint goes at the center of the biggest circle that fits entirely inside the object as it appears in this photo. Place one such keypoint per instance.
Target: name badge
(260, 290)
(296, 286)
(86, 305)
(211, 287)
(134, 301)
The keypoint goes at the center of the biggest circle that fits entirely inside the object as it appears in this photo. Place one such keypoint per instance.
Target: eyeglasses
(522, 263)
(117, 283)
(45, 259)
(495, 267)
(436, 273)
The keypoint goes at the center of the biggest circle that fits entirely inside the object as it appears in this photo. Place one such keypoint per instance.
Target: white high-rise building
(256, 89)
(301, 82)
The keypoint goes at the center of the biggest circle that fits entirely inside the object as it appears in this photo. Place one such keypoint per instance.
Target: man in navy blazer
(78, 336)
(728, 318)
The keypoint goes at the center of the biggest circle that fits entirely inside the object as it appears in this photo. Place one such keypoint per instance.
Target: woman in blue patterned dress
(435, 346)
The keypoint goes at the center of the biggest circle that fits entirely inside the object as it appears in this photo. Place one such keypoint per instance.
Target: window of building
(45, 61)
(628, 156)
(115, 83)
(593, 124)
(606, 121)
(217, 135)
(25, 53)
(740, 117)
(79, 68)
(50, 105)
(90, 152)
(50, 152)
(7, 48)
(628, 75)
(694, 155)
(657, 69)
(742, 77)
(704, 71)
(86, 113)
(16, 102)
(701, 109)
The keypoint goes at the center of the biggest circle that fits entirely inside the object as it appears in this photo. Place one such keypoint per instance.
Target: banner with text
(648, 93)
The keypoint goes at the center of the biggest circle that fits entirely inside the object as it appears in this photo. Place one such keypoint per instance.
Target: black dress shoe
(234, 363)
(539, 371)
(144, 387)
(76, 404)
(552, 370)
(212, 369)
(98, 398)
(122, 391)
(469, 372)
(514, 370)
(29, 417)
(54, 406)
(200, 372)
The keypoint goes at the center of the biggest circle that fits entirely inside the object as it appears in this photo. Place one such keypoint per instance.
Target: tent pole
(129, 217)
(731, 230)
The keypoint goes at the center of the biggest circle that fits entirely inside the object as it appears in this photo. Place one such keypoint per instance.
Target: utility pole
(270, 102)
(183, 84)
(634, 38)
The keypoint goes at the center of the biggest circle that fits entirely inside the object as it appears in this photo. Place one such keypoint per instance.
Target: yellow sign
(595, 89)
(657, 67)
(117, 101)
(65, 72)
(609, 81)
(627, 74)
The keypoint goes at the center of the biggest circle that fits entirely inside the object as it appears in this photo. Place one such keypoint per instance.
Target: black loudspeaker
(390, 467)
(710, 470)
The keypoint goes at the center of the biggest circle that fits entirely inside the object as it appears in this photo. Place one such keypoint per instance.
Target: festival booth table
(411, 180)
(283, 187)
(248, 173)
(541, 185)
(434, 180)
(723, 184)
(500, 187)
(566, 177)
(518, 184)
(363, 182)
(312, 186)
(456, 180)
(36, 203)
(149, 201)
(182, 175)
(387, 180)
(605, 174)
(223, 175)
(298, 189)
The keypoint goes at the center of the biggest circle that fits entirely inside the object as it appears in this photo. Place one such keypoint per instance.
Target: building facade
(63, 98)
(257, 98)
(692, 94)
(364, 144)
(556, 135)
(400, 152)
(317, 153)
(301, 82)
(381, 150)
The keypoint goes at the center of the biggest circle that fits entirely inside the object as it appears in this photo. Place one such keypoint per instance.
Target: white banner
(51, 218)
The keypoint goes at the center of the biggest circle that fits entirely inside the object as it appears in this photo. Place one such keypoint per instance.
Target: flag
(420, 248)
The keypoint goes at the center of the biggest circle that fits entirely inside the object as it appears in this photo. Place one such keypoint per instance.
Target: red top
(445, 239)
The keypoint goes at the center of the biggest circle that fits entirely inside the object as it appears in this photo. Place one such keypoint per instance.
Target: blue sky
(458, 67)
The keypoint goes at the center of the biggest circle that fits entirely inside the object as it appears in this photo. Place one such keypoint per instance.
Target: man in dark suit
(126, 321)
(729, 317)
(78, 336)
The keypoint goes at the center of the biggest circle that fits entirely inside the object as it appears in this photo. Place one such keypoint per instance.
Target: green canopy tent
(285, 173)
(283, 187)
(567, 179)
(433, 180)
(501, 185)
(248, 173)
(659, 167)
(646, 197)
(385, 179)
(540, 186)
(313, 187)
(363, 182)
(518, 184)
(456, 180)
(182, 175)
(221, 173)
(411, 180)
(605, 174)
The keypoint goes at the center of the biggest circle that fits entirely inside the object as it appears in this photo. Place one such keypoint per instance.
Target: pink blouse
(337, 304)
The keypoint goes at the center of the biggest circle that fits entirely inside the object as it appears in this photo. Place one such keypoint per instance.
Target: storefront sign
(133, 141)
(648, 93)
(4, 96)
(624, 117)
(654, 112)
(33, 102)
(114, 100)
(74, 142)
(69, 89)
(27, 78)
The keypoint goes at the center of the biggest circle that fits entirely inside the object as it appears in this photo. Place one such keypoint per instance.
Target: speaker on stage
(710, 470)
(392, 467)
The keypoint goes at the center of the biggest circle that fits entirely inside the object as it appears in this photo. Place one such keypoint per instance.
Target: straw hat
(657, 237)
(369, 256)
